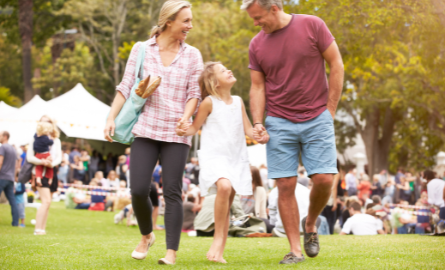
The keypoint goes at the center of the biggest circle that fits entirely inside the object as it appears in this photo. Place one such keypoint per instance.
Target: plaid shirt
(167, 104)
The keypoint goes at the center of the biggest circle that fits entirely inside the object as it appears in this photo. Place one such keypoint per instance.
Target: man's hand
(260, 134)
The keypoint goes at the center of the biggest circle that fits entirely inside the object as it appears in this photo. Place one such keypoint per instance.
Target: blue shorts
(314, 139)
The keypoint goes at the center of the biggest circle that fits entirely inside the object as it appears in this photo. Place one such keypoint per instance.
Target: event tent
(78, 114)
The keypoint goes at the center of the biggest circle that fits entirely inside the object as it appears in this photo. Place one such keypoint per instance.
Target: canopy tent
(77, 113)
(6, 109)
(257, 155)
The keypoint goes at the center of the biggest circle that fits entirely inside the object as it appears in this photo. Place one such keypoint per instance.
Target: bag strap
(139, 68)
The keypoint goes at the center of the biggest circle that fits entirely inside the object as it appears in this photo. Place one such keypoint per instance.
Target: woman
(112, 180)
(78, 170)
(46, 191)
(179, 65)
(255, 204)
(122, 168)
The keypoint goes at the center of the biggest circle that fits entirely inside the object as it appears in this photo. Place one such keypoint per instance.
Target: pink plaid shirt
(167, 104)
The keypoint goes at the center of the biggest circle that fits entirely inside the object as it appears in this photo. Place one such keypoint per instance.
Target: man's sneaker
(311, 243)
(291, 258)
(118, 217)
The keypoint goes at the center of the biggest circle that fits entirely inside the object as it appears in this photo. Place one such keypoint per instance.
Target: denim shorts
(314, 139)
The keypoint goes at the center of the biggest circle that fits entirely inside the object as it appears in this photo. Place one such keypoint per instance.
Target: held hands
(260, 134)
(182, 127)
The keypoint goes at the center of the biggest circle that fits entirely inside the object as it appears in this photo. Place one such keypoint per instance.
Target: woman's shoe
(164, 261)
(39, 232)
(139, 255)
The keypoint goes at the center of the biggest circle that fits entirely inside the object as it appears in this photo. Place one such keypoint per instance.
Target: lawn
(79, 239)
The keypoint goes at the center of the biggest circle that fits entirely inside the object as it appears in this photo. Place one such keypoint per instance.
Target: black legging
(144, 155)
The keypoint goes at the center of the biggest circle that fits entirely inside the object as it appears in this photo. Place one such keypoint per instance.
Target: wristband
(257, 124)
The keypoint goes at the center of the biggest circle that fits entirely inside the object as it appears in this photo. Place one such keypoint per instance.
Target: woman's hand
(109, 129)
(48, 162)
(182, 127)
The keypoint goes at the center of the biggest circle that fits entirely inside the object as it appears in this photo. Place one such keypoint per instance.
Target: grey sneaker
(311, 243)
(291, 258)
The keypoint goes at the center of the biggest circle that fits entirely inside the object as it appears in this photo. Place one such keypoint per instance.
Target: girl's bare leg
(222, 203)
(226, 229)
(42, 212)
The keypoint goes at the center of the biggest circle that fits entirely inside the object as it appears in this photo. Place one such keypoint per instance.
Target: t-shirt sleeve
(324, 36)
(347, 227)
(379, 224)
(253, 62)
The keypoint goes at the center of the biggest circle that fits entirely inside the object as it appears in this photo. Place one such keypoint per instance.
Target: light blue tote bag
(129, 114)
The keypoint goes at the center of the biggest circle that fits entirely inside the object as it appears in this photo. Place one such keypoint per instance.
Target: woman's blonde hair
(208, 81)
(44, 128)
(169, 11)
(55, 133)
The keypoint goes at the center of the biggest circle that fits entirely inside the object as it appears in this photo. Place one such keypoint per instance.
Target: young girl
(223, 159)
(41, 148)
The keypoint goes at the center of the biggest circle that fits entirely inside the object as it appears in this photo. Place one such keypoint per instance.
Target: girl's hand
(260, 134)
(109, 129)
(182, 127)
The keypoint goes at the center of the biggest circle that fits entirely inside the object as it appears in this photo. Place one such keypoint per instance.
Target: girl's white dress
(223, 151)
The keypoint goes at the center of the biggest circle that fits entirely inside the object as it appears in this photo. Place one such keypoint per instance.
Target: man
(287, 67)
(76, 200)
(361, 224)
(9, 161)
(351, 182)
(436, 194)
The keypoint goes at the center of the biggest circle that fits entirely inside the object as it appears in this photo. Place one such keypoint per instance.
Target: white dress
(223, 151)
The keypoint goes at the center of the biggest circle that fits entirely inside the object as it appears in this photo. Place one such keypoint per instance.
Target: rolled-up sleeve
(193, 90)
(128, 79)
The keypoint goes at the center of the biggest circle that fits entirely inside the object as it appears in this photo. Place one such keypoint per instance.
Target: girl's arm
(187, 129)
(246, 122)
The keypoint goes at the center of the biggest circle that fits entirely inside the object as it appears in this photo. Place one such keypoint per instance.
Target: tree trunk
(377, 147)
(25, 28)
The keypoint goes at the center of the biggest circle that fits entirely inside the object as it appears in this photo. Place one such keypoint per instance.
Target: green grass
(78, 239)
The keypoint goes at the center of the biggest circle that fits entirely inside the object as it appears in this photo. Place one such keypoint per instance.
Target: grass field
(78, 239)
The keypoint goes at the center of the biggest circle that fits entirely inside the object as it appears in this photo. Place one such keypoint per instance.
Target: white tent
(5, 109)
(77, 112)
(257, 155)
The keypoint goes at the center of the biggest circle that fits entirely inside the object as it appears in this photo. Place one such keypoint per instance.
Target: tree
(5, 96)
(384, 50)
(25, 27)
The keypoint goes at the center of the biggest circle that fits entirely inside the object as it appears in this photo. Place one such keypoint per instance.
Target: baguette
(147, 86)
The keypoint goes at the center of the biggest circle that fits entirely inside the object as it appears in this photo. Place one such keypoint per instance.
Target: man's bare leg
(321, 190)
(287, 204)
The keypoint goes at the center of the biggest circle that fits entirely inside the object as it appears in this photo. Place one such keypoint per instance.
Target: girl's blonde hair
(208, 81)
(44, 128)
(55, 133)
(169, 11)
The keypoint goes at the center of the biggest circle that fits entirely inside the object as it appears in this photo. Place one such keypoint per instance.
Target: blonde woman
(46, 189)
(179, 65)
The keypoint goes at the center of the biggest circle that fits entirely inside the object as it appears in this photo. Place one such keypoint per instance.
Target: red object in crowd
(97, 207)
(364, 188)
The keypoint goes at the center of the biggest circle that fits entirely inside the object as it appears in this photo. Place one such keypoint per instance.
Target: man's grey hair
(265, 4)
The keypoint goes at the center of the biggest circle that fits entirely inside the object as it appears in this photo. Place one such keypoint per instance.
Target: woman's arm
(57, 159)
(187, 129)
(30, 155)
(118, 103)
(260, 202)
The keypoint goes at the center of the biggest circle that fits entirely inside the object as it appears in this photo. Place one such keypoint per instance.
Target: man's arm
(1, 161)
(381, 232)
(333, 58)
(443, 193)
(342, 233)
(257, 101)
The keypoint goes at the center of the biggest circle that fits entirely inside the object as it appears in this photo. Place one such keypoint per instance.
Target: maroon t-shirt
(292, 62)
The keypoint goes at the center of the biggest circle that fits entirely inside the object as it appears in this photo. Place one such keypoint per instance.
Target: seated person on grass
(97, 201)
(191, 207)
(361, 224)
(76, 200)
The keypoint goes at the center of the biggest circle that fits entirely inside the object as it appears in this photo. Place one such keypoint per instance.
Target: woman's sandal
(139, 255)
(164, 261)
(39, 232)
